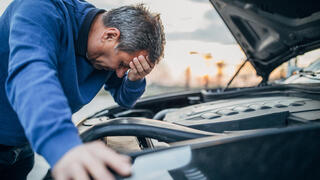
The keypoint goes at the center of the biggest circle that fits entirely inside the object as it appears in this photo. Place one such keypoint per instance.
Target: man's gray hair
(139, 30)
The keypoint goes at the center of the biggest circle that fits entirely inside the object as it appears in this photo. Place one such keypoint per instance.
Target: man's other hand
(139, 68)
(91, 159)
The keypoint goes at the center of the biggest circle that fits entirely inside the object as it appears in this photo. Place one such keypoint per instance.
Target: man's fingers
(78, 172)
(75, 171)
(150, 63)
(145, 65)
(133, 68)
(138, 66)
(96, 167)
(119, 163)
(91, 159)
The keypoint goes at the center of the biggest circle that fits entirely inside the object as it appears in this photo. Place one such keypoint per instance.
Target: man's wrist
(134, 84)
(134, 79)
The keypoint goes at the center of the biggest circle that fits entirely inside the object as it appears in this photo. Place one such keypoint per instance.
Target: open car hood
(271, 32)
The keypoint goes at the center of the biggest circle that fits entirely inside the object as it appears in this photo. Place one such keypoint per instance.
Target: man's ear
(110, 34)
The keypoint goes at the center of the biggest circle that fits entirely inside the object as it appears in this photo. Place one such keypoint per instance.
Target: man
(55, 56)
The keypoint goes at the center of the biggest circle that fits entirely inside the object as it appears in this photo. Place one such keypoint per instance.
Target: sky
(190, 26)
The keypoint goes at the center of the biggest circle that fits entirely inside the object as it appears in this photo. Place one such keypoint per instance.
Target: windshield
(313, 67)
(301, 69)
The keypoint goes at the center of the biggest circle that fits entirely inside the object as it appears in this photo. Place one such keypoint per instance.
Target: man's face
(108, 57)
(102, 52)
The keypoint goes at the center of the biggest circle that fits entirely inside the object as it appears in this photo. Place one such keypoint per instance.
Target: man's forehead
(141, 52)
(128, 57)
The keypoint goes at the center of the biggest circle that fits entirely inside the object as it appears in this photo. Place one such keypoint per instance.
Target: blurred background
(200, 53)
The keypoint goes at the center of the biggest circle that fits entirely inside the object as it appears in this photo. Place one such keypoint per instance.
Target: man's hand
(91, 158)
(139, 68)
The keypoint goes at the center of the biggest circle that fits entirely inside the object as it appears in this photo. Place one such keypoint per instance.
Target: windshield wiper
(309, 74)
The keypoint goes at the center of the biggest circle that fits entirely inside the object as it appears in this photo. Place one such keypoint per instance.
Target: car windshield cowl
(310, 74)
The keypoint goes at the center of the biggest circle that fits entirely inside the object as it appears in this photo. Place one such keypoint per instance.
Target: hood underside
(271, 32)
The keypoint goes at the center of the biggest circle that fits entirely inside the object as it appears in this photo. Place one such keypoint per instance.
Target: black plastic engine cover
(245, 113)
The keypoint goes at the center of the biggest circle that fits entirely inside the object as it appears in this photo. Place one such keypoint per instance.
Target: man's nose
(121, 71)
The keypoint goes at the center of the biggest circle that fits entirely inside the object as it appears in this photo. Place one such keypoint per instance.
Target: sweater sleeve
(33, 87)
(124, 91)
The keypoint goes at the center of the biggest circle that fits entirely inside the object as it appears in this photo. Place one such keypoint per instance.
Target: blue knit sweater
(45, 77)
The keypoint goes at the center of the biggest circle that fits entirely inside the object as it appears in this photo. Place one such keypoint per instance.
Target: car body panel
(271, 32)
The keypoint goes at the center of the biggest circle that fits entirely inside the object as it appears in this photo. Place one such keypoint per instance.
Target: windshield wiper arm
(309, 74)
